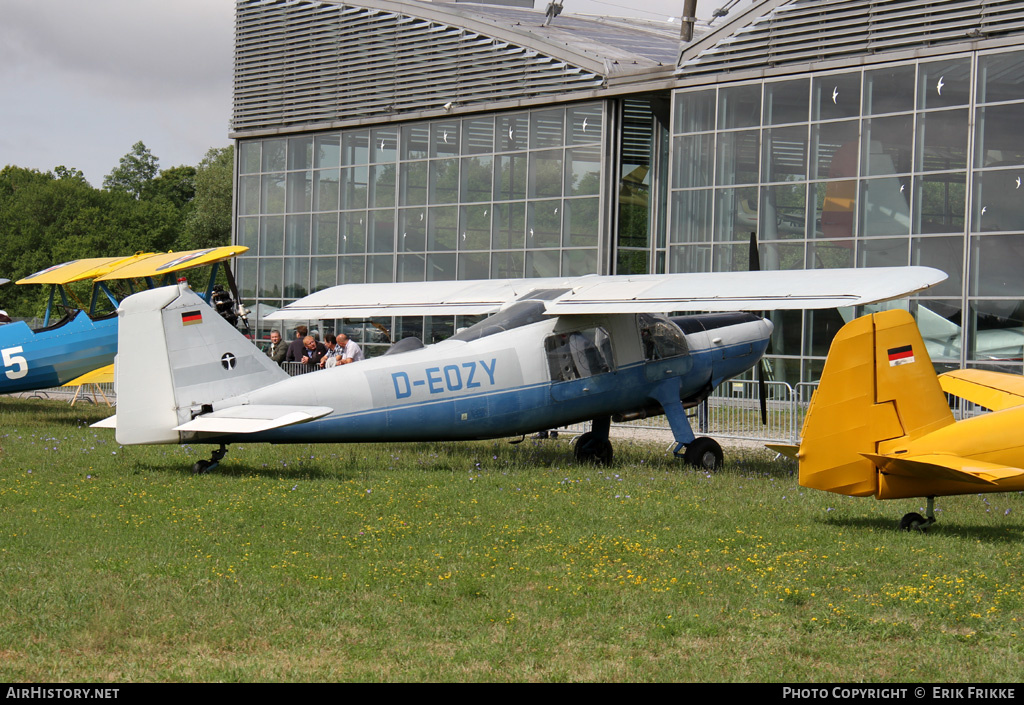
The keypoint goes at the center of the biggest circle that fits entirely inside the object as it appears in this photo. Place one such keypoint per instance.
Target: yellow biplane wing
(167, 263)
(101, 375)
(79, 269)
(992, 390)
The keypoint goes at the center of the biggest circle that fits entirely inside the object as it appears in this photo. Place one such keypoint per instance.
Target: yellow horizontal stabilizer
(78, 270)
(944, 467)
(101, 375)
(169, 262)
(992, 390)
(785, 449)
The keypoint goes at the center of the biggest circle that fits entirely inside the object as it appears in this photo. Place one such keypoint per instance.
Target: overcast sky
(82, 81)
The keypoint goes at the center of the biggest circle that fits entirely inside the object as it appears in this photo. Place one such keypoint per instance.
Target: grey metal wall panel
(300, 62)
(803, 31)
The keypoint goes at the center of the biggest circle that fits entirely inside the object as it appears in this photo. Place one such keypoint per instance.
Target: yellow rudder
(878, 388)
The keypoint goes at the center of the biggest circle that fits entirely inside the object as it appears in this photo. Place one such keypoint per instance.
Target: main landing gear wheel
(704, 453)
(591, 448)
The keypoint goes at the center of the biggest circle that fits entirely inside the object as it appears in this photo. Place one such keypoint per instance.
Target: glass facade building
(396, 141)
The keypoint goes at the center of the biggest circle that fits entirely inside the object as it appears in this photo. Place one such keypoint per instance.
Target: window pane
(942, 140)
(882, 252)
(835, 96)
(353, 233)
(300, 191)
(512, 132)
(273, 155)
(249, 157)
(783, 212)
(544, 224)
(582, 219)
(885, 207)
(835, 206)
(326, 193)
(355, 147)
(477, 177)
(944, 83)
(248, 233)
(354, 187)
(475, 227)
(945, 254)
(737, 157)
(995, 266)
(300, 153)
(412, 230)
(296, 277)
(739, 106)
(576, 263)
(350, 269)
(249, 195)
(547, 128)
(442, 228)
(784, 154)
(444, 138)
(939, 203)
(585, 124)
(411, 268)
(998, 141)
(542, 263)
(473, 265)
(444, 181)
(889, 90)
(509, 226)
(380, 233)
(695, 111)
(735, 213)
(692, 164)
(583, 171)
(441, 267)
(325, 234)
(415, 141)
(272, 235)
(324, 273)
(478, 135)
(271, 275)
(414, 184)
(1001, 77)
(273, 197)
(546, 173)
(887, 145)
(383, 145)
(510, 177)
(691, 216)
(327, 151)
(380, 269)
(296, 240)
(507, 265)
(382, 181)
(786, 101)
(834, 147)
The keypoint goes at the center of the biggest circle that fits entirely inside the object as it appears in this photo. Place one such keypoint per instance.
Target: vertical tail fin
(175, 354)
(878, 391)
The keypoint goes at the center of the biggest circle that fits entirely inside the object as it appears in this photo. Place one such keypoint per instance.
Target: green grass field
(479, 562)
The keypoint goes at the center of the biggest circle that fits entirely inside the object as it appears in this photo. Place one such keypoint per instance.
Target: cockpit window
(517, 315)
(660, 337)
(579, 354)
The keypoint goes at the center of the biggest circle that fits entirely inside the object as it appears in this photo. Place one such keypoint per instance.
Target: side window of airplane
(660, 337)
(579, 354)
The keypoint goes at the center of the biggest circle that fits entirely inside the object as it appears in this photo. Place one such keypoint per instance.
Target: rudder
(878, 391)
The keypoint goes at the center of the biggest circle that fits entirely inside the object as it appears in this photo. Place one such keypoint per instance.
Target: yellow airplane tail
(878, 392)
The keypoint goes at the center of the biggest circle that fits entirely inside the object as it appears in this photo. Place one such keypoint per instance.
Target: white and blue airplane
(554, 352)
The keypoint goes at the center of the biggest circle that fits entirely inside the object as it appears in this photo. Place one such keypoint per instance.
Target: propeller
(762, 372)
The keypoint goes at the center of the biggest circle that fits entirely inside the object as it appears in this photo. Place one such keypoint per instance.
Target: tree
(135, 172)
(209, 223)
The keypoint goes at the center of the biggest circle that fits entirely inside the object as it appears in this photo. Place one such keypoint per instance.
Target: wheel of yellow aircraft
(704, 453)
(914, 521)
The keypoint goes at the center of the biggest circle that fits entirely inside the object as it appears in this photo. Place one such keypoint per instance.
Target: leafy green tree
(209, 222)
(134, 173)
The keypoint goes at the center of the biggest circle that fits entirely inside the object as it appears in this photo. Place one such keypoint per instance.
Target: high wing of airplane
(82, 340)
(554, 352)
(880, 425)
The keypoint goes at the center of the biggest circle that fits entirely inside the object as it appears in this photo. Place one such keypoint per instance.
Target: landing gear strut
(204, 466)
(594, 445)
(914, 521)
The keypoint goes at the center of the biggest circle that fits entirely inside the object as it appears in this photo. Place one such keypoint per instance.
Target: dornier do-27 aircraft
(555, 352)
(84, 339)
(880, 425)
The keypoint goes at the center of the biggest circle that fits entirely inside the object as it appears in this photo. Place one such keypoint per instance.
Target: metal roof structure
(300, 63)
(780, 33)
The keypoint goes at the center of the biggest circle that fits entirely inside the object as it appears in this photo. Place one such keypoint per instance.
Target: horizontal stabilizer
(992, 390)
(947, 467)
(252, 418)
(786, 449)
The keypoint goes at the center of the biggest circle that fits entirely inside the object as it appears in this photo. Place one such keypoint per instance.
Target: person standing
(276, 349)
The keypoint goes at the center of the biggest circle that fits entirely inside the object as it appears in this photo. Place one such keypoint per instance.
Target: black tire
(704, 454)
(201, 467)
(591, 449)
(912, 521)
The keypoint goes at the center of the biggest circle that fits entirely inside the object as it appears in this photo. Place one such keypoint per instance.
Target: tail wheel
(704, 453)
(593, 449)
(914, 521)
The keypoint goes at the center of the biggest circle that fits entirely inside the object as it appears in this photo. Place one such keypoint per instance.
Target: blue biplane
(84, 339)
